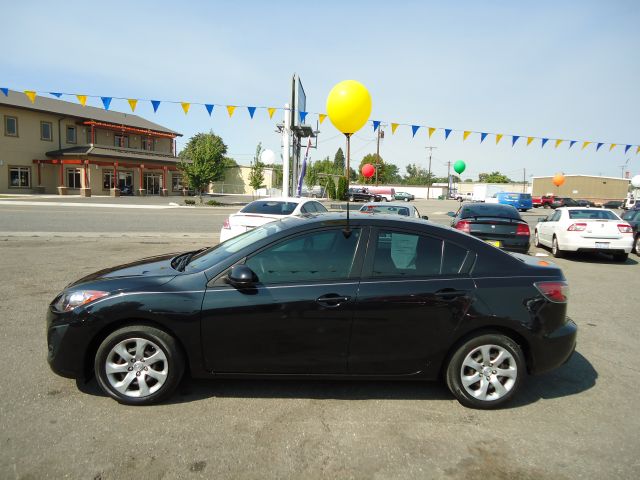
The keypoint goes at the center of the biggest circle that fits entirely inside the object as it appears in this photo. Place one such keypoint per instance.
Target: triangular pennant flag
(55, 94)
(322, 116)
(529, 140)
(106, 101)
(558, 142)
(498, 138)
(31, 95)
(230, 110)
(431, 130)
(585, 145)
(132, 103)
(303, 115)
(185, 106)
(155, 104)
(465, 134)
(571, 143)
(447, 132)
(252, 110)
(393, 128)
(483, 136)
(272, 110)
(209, 108)
(82, 99)
(376, 124)
(543, 142)
(598, 146)
(5, 91)
(637, 150)
(414, 129)
(613, 145)
(626, 149)
(514, 139)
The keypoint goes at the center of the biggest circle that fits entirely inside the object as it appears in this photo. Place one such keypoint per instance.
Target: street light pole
(429, 175)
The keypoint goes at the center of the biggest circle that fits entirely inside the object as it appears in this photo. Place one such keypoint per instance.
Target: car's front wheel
(139, 365)
(486, 371)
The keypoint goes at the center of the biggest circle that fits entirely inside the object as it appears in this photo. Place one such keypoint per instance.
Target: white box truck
(485, 192)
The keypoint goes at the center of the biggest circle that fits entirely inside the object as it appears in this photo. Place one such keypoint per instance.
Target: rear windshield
(386, 209)
(592, 214)
(630, 214)
(490, 210)
(268, 207)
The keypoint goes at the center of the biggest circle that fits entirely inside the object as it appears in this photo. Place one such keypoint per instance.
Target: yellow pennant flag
(272, 110)
(431, 130)
(637, 150)
(185, 106)
(393, 128)
(558, 142)
(529, 140)
(230, 110)
(322, 116)
(82, 99)
(31, 95)
(585, 145)
(465, 134)
(613, 145)
(132, 103)
(498, 138)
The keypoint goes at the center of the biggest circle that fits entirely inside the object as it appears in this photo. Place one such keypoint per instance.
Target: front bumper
(554, 349)
(68, 340)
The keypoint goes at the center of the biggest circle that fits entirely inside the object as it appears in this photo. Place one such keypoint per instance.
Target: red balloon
(368, 170)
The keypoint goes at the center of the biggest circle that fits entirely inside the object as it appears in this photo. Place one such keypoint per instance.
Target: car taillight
(523, 229)
(625, 228)
(557, 292)
(577, 227)
(226, 224)
(463, 226)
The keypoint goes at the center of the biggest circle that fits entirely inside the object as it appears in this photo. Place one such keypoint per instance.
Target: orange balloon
(558, 179)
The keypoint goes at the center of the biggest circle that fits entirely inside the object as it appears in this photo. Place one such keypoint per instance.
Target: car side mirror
(451, 214)
(241, 276)
(425, 217)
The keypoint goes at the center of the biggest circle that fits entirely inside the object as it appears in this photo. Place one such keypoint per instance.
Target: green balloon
(459, 166)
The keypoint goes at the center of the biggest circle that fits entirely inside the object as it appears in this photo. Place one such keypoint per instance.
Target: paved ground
(580, 421)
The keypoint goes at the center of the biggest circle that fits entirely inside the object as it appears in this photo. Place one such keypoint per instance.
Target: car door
(546, 229)
(414, 292)
(298, 316)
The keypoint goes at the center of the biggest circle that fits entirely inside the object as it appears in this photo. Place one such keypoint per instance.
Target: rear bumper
(580, 244)
(554, 349)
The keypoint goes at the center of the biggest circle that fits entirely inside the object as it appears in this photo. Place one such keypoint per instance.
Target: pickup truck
(363, 195)
(543, 201)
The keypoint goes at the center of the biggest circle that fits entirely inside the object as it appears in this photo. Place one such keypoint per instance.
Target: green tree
(202, 161)
(418, 176)
(342, 189)
(331, 188)
(256, 175)
(339, 162)
(493, 177)
(311, 176)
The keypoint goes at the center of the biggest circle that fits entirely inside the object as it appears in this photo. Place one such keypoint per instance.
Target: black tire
(536, 239)
(555, 248)
(620, 257)
(495, 343)
(406, 199)
(547, 206)
(149, 338)
(351, 198)
(637, 245)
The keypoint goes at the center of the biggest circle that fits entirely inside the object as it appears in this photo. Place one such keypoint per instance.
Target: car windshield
(490, 210)
(592, 214)
(629, 215)
(270, 207)
(386, 209)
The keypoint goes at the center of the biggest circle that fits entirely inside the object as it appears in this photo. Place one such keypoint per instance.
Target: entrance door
(125, 180)
(152, 182)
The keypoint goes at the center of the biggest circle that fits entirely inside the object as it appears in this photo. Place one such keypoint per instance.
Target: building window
(73, 177)
(107, 179)
(10, 126)
(147, 143)
(20, 177)
(121, 141)
(177, 182)
(71, 134)
(46, 131)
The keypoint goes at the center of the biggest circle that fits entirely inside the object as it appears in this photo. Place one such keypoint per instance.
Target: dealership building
(54, 146)
(588, 187)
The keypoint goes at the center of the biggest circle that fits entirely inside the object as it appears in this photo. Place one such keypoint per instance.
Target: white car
(579, 229)
(392, 209)
(259, 212)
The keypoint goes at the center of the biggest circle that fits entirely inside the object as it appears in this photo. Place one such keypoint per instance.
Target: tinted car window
(452, 258)
(322, 255)
(592, 214)
(556, 216)
(404, 211)
(406, 255)
(489, 210)
(631, 215)
(268, 207)
(320, 208)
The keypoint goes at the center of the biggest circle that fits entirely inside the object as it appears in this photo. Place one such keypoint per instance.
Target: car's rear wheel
(637, 245)
(486, 371)
(139, 365)
(536, 239)
(555, 248)
(406, 199)
(351, 198)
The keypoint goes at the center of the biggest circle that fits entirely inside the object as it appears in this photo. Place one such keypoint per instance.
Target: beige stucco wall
(583, 187)
(236, 180)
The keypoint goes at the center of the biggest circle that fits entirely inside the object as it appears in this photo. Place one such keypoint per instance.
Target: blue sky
(558, 69)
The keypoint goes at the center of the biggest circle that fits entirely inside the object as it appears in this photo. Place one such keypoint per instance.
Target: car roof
(487, 206)
(283, 199)
(386, 204)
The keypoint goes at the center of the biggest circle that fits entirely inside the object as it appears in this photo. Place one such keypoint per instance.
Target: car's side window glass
(319, 207)
(322, 255)
(555, 217)
(406, 255)
(453, 258)
(305, 209)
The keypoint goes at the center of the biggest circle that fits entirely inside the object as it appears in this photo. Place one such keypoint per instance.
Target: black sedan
(613, 204)
(500, 225)
(632, 217)
(379, 297)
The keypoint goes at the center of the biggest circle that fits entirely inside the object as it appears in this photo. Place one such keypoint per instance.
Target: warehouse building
(588, 187)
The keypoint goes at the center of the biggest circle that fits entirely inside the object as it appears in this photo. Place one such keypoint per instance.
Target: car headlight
(70, 300)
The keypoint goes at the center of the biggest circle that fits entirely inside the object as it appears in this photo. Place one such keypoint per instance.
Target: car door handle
(451, 293)
(332, 300)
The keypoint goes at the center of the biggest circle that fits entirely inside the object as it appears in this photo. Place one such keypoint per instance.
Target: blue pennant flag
(55, 94)
(626, 149)
(514, 139)
(571, 143)
(155, 104)
(209, 108)
(106, 101)
(544, 141)
(598, 147)
(303, 115)
(447, 131)
(483, 136)
(376, 124)
(414, 129)
(252, 110)
(5, 91)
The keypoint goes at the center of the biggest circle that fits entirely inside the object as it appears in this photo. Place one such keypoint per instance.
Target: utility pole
(429, 174)
(524, 180)
(448, 178)
(286, 149)
(378, 164)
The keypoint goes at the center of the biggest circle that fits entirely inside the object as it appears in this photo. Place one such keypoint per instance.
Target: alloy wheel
(488, 372)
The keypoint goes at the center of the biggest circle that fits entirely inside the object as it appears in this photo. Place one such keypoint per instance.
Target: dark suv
(363, 195)
(564, 202)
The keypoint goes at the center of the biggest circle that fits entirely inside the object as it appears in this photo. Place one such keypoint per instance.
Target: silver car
(392, 209)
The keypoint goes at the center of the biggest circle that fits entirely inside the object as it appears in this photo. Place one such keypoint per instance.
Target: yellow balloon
(349, 106)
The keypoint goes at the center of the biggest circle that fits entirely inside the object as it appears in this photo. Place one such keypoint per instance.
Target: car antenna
(347, 231)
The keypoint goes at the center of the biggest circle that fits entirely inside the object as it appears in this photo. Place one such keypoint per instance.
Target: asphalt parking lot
(579, 421)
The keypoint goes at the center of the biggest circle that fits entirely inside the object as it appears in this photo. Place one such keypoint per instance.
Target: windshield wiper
(181, 261)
